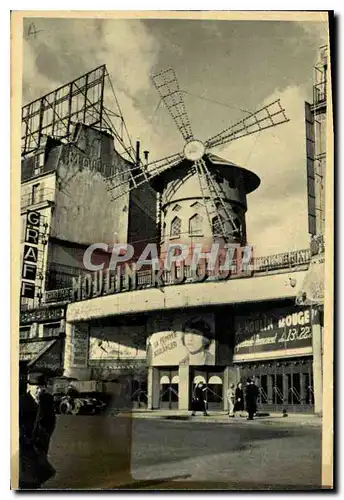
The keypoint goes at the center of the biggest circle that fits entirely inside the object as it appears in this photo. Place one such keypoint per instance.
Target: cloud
(318, 32)
(66, 49)
(277, 211)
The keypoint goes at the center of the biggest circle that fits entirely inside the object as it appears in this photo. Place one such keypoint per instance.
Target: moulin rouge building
(163, 337)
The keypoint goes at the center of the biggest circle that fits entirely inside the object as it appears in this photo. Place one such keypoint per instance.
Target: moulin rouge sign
(126, 277)
(277, 329)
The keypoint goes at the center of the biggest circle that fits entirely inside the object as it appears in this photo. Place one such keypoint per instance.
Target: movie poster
(183, 341)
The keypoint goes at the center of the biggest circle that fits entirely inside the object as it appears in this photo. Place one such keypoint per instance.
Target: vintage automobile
(78, 398)
(79, 405)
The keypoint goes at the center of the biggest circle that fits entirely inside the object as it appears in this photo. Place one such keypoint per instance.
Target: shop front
(283, 385)
(41, 340)
(275, 349)
(112, 351)
(212, 379)
(45, 356)
(184, 349)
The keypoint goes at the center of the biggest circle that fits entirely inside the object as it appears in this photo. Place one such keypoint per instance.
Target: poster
(277, 329)
(183, 341)
(117, 342)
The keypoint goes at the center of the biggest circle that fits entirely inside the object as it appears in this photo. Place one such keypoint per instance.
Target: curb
(309, 420)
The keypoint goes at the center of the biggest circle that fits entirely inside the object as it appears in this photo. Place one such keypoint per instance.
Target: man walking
(251, 398)
(198, 400)
(45, 419)
(36, 425)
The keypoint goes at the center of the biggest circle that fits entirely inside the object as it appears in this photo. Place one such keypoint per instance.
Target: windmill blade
(167, 85)
(125, 181)
(210, 190)
(268, 116)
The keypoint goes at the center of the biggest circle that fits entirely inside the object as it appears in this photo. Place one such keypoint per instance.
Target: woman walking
(239, 405)
(198, 400)
(231, 400)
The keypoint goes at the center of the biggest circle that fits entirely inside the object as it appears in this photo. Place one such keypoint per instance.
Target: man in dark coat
(239, 405)
(27, 417)
(198, 400)
(46, 418)
(36, 424)
(251, 398)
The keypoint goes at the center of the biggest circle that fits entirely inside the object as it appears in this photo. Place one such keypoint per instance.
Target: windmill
(220, 194)
(199, 193)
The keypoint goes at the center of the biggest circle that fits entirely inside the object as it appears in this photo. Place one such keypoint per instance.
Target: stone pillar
(153, 387)
(270, 389)
(302, 388)
(184, 384)
(231, 375)
(67, 357)
(317, 363)
(285, 388)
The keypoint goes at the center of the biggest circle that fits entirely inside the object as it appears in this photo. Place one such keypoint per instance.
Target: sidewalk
(302, 419)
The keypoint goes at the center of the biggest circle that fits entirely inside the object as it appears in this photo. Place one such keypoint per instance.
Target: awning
(312, 289)
(43, 354)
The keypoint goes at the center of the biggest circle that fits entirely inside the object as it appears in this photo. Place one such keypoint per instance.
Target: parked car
(80, 405)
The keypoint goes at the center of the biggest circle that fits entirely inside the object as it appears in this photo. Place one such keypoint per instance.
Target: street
(104, 452)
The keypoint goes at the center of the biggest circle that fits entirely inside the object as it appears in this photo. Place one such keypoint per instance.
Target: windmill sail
(268, 116)
(124, 182)
(217, 205)
(167, 86)
(134, 175)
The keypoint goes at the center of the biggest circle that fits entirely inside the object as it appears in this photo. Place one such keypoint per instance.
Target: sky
(223, 67)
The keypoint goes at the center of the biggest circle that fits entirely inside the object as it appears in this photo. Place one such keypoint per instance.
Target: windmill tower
(201, 196)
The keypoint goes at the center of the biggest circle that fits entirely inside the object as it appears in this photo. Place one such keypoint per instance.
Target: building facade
(162, 336)
(219, 332)
(67, 203)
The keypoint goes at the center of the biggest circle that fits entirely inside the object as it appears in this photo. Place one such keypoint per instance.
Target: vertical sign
(30, 254)
(79, 344)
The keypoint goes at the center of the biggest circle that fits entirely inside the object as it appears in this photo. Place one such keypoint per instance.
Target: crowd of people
(238, 399)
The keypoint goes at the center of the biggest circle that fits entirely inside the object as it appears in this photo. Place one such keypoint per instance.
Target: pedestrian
(198, 400)
(231, 400)
(251, 398)
(36, 423)
(239, 405)
(45, 419)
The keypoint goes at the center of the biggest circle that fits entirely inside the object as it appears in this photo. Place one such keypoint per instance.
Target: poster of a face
(120, 342)
(189, 342)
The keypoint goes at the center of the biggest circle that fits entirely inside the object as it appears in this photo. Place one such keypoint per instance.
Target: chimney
(137, 153)
(146, 153)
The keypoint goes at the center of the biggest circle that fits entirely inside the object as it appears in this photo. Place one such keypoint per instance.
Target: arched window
(175, 227)
(176, 208)
(196, 225)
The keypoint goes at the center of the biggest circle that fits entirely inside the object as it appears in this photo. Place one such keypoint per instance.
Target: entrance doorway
(139, 393)
(169, 388)
(213, 382)
(283, 384)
